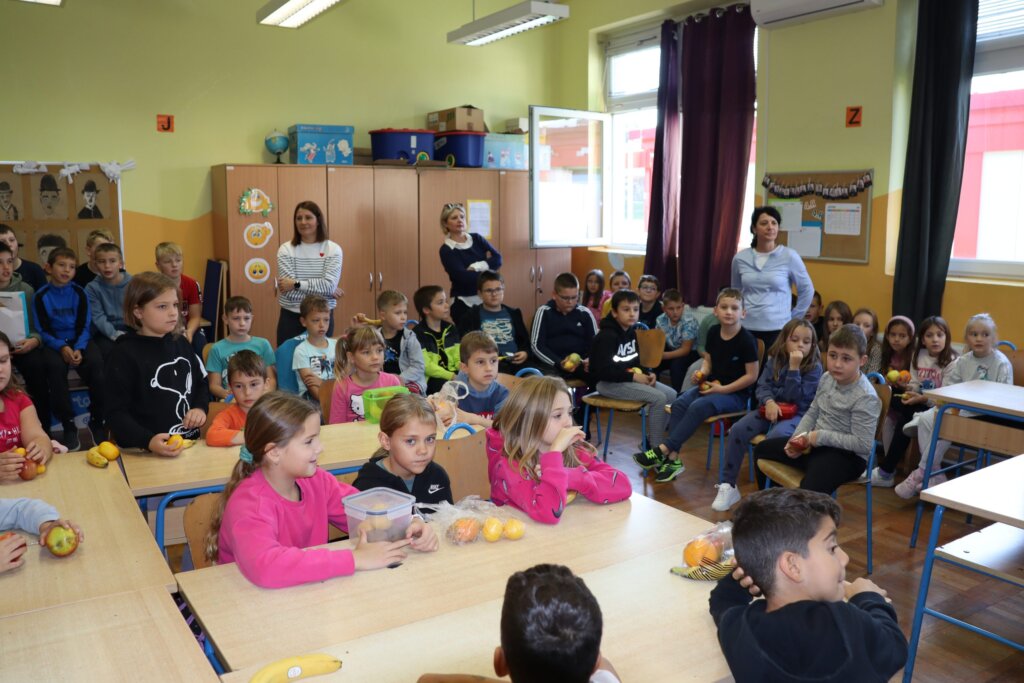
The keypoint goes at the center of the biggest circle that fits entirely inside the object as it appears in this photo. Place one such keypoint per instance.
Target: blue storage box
(463, 148)
(406, 144)
(506, 151)
(312, 144)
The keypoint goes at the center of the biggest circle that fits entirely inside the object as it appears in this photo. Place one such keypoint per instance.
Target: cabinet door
(299, 184)
(396, 211)
(550, 262)
(350, 218)
(519, 263)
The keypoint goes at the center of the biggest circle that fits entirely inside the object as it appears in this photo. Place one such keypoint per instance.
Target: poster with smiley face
(49, 196)
(257, 235)
(257, 271)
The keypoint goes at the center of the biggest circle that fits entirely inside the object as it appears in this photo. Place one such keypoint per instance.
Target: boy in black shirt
(503, 323)
(813, 625)
(437, 336)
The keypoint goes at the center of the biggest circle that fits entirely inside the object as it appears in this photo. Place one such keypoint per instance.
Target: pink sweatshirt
(347, 399)
(544, 500)
(267, 535)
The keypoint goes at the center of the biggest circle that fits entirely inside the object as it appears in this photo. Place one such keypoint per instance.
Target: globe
(277, 143)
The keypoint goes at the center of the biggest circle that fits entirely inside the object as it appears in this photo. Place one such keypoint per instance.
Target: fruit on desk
(295, 668)
(108, 450)
(893, 376)
(7, 535)
(175, 441)
(187, 443)
(94, 458)
(40, 469)
(904, 376)
(571, 362)
(29, 469)
(698, 549)
(492, 529)
(61, 541)
(570, 496)
(514, 529)
(463, 530)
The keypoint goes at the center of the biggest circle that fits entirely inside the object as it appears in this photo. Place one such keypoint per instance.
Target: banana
(94, 458)
(187, 443)
(294, 668)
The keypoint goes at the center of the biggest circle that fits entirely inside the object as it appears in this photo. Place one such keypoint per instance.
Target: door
(350, 217)
(519, 262)
(550, 262)
(396, 210)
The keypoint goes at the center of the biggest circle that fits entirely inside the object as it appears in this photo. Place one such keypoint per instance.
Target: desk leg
(922, 593)
(927, 470)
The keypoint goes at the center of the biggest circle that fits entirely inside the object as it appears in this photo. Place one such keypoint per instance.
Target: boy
(650, 307)
(247, 380)
(727, 373)
(478, 368)
(563, 327)
(87, 270)
(313, 361)
(62, 316)
(503, 323)
(680, 328)
(238, 321)
(812, 625)
(31, 516)
(30, 272)
(706, 324)
(403, 355)
(832, 442)
(437, 335)
(169, 260)
(106, 305)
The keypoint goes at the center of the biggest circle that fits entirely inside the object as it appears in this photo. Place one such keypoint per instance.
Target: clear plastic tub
(384, 513)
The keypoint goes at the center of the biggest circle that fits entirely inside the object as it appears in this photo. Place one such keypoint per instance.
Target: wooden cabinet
(396, 211)
(350, 215)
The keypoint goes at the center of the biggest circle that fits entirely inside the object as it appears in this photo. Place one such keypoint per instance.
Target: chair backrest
(884, 392)
(197, 521)
(326, 394)
(216, 407)
(1017, 361)
(508, 381)
(651, 346)
(206, 352)
(283, 358)
(465, 460)
(760, 357)
(213, 295)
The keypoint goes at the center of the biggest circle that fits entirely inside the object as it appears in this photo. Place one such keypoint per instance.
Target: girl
(836, 314)
(19, 423)
(619, 280)
(594, 293)
(791, 374)
(983, 361)
(307, 264)
(359, 357)
(464, 256)
(898, 347)
(867, 320)
(536, 456)
(278, 503)
(405, 460)
(156, 385)
(934, 354)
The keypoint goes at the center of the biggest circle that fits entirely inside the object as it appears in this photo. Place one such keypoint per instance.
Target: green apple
(61, 541)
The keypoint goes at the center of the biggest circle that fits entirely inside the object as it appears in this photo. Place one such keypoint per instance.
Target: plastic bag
(709, 556)
(446, 402)
(463, 522)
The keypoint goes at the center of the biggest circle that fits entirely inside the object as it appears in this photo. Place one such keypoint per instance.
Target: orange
(40, 469)
(699, 549)
(492, 529)
(109, 450)
(175, 441)
(514, 529)
(21, 452)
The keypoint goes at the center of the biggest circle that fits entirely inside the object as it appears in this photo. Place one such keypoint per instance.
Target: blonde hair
(982, 319)
(96, 235)
(142, 289)
(274, 419)
(523, 419)
(353, 341)
(165, 249)
(400, 410)
(446, 211)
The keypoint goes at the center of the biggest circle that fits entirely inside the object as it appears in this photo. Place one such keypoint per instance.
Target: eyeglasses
(492, 290)
(648, 288)
(568, 299)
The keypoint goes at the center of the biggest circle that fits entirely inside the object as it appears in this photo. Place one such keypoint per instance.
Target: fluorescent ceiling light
(292, 13)
(55, 3)
(520, 17)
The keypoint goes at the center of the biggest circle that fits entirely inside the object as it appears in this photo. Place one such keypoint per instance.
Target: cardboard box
(315, 144)
(519, 125)
(510, 152)
(467, 117)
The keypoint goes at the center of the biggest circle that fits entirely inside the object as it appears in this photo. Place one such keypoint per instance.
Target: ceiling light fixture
(292, 13)
(518, 18)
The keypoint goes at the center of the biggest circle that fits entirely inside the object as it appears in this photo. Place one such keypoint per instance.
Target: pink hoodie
(544, 500)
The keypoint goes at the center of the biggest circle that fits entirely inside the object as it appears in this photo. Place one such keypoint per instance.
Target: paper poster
(14, 316)
(805, 240)
(257, 235)
(792, 213)
(478, 217)
(257, 271)
(842, 219)
(255, 200)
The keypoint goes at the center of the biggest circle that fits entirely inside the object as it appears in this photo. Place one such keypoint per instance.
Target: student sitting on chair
(479, 370)
(238, 321)
(503, 323)
(247, 381)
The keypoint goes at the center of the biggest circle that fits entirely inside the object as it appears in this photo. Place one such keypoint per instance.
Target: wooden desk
(118, 554)
(1005, 398)
(134, 636)
(302, 618)
(638, 597)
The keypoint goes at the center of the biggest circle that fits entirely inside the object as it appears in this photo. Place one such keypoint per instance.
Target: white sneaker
(728, 495)
(880, 478)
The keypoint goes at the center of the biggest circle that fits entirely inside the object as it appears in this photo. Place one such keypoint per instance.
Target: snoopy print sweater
(151, 383)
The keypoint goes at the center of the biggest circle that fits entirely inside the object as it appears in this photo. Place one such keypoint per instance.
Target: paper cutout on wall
(257, 270)
(257, 235)
(255, 200)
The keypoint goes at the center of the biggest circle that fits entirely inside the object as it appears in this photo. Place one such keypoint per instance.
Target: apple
(29, 470)
(571, 362)
(637, 371)
(61, 541)
(801, 442)
(893, 376)
(5, 536)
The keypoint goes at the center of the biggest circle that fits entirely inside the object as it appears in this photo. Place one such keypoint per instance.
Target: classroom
(155, 122)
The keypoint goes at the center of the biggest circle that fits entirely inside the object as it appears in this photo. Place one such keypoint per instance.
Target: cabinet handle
(533, 270)
(371, 282)
(540, 275)
(380, 280)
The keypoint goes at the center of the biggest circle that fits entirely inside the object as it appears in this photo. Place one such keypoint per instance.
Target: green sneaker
(669, 470)
(649, 459)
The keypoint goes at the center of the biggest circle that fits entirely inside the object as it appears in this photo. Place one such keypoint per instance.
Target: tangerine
(514, 529)
(492, 529)
(698, 549)
(109, 451)
(176, 441)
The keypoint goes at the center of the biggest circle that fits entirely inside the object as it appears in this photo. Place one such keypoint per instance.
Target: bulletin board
(826, 215)
(46, 204)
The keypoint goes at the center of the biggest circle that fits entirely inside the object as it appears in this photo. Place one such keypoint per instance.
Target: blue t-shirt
(485, 403)
(222, 351)
(498, 324)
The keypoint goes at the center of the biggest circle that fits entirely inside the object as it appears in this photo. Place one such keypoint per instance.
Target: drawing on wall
(49, 197)
(257, 271)
(11, 208)
(255, 200)
(93, 202)
(257, 235)
(49, 241)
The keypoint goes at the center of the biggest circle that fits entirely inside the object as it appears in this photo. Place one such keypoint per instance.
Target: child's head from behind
(238, 316)
(151, 304)
(432, 303)
(536, 410)
(619, 280)
(169, 259)
(796, 335)
(836, 314)
(981, 335)
(567, 292)
(934, 336)
(61, 264)
(247, 378)
(8, 380)
(785, 540)
(551, 627)
(479, 358)
(847, 353)
(625, 308)
(408, 434)
(315, 315)
(360, 349)
(490, 285)
(108, 260)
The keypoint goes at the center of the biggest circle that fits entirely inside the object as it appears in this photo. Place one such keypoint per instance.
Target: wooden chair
(197, 521)
(206, 352)
(790, 477)
(597, 401)
(1016, 359)
(508, 381)
(465, 460)
(216, 407)
(326, 395)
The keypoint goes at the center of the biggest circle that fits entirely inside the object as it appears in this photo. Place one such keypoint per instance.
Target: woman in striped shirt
(308, 264)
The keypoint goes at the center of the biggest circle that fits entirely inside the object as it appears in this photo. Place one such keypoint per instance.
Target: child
(619, 280)
(405, 460)
(705, 325)
(31, 516)
(814, 316)
(680, 328)
(836, 314)
(155, 385)
(88, 270)
(29, 271)
(358, 360)
(562, 327)
(238, 321)
(437, 335)
(650, 308)
(897, 348)
(403, 355)
(503, 323)
(106, 305)
(723, 386)
(61, 312)
(169, 261)
(791, 375)
(840, 425)
(535, 455)
(247, 380)
(479, 370)
(982, 360)
(615, 357)
(594, 293)
(19, 423)
(813, 625)
(278, 504)
(313, 360)
(867, 321)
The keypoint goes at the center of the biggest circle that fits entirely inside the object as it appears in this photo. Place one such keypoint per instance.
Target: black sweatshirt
(614, 352)
(432, 486)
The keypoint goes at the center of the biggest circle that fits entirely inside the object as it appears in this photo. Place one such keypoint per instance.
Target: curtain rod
(717, 11)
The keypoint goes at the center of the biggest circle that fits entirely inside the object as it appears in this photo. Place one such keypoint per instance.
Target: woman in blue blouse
(464, 256)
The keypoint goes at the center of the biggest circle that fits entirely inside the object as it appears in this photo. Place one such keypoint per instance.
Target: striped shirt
(316, 266)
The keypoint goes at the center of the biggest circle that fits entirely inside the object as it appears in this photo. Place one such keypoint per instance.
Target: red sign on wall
(853, 117)
(165, 123)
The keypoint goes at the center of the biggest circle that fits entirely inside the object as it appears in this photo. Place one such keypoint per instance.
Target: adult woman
(464, 256)
(308, 264)
(765, 273)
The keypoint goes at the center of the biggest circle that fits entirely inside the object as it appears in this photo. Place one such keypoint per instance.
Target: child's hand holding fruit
(10, 466)
(801, 444)
(166, 445)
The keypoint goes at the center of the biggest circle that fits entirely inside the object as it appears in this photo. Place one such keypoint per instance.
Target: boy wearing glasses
(503, 323)
(650, 308)
(563, 331)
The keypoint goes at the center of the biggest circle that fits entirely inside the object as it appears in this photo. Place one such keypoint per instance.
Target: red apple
(29, 470)
(801, 442)
(61, 541)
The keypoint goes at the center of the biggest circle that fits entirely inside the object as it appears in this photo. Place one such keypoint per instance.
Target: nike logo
(434, 488)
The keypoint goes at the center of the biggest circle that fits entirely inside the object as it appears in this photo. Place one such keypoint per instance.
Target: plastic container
(407, 144)
(374, 401)
(462, 148)
(384, 513)
(506, 151)
(316, 144)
